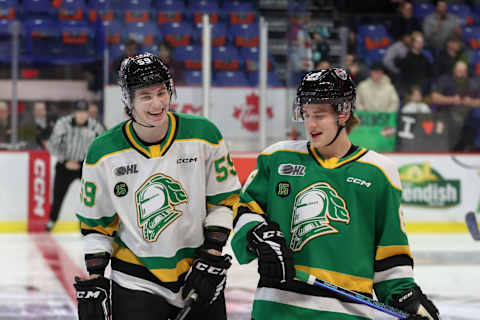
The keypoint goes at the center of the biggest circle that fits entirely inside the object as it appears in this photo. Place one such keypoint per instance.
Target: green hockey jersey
(147, 204)
(342, 220)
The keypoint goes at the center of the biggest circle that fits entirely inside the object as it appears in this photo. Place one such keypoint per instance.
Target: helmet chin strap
(340, 127)
(147, 125)
(336, 136)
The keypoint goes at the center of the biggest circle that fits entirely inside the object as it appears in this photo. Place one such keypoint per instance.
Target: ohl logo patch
(156, 202)
(313, 209)
(287, 169)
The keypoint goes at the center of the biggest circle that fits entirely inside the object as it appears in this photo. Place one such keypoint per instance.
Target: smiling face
(150, 105)
(320, 123)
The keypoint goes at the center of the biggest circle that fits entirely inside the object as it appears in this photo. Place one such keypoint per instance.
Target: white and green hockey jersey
(342, 220)
(148, 204)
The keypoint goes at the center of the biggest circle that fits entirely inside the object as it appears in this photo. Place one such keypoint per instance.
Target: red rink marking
(59, 262)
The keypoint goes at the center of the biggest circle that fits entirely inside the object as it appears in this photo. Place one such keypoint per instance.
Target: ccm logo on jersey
(213, 270)
(287, 169)
(124, 170)
(186, 160)
(359, 181)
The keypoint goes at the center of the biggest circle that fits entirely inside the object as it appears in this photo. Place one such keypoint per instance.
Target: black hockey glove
(207, 276)
(275, 260)
(93, 297)
(416, 303)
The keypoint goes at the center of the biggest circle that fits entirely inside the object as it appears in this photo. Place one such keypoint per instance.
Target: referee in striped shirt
(69, 142)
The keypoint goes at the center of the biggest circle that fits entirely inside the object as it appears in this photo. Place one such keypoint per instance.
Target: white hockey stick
(191, 298)
(472, 225)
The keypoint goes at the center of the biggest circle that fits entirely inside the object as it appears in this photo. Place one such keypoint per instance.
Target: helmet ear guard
(333, 86)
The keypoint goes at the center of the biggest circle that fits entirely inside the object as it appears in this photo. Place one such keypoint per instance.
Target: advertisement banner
(436, 132)
(38, 190)
(438, 187)
(376, 131)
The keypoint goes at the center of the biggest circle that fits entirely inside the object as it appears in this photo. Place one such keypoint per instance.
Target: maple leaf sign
(249, 113)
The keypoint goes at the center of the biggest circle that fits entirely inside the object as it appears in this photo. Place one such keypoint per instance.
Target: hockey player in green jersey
(156, 203)
(328, 208)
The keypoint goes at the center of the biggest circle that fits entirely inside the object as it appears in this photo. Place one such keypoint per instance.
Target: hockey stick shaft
(312, 280)
(472, 225)
(191, 298)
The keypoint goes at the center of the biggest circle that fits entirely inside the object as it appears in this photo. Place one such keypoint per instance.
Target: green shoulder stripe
(109, 142)
(193, 127)
(162, 262)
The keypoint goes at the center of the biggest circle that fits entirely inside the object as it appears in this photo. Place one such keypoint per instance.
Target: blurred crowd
(36, 122)
(405, 62)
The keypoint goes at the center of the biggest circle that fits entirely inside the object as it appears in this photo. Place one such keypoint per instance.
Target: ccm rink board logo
(39, 187)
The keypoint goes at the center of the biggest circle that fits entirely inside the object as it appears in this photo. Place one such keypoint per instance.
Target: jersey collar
(152, 150)
(333, 163)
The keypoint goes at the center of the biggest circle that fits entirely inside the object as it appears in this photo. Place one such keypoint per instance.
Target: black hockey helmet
(141, 71)
(333, 86)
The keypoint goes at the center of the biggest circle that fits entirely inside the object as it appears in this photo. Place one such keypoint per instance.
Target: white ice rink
(37, 273)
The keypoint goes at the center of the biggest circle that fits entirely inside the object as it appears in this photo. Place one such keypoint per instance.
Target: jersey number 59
(223, 169)
(87, 193)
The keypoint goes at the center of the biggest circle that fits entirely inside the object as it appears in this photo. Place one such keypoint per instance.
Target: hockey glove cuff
(93, 297)
(275, 260)
(416, 303)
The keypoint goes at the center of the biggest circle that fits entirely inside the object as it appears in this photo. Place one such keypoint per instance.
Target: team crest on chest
(156, 202)
(313, 209)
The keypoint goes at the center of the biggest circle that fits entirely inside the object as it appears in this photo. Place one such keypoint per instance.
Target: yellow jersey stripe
(384, 252)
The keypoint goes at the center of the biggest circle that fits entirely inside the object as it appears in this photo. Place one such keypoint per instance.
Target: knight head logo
(313, 209)
(249, 113)
(155, 201)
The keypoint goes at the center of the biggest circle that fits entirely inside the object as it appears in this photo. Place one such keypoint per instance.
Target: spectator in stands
(5, 128)
(415, 68)
(355, 67)
(440, 25)
(175, 66)
(396, 52)
(453, 52)
(320, 46)
(300, 45)
(404, 22)
(377, 93)
(69, 143)
(130, 49)
(351, 42)
(323, 64)
(457, 89)
(415, 103)
(37, 127)
(459, 96)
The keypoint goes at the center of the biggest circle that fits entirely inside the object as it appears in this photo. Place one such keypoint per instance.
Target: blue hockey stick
(308, 278)
(472, 225)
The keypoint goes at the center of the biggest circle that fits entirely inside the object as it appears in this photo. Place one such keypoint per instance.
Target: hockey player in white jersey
(329, 208)
(157, 194)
